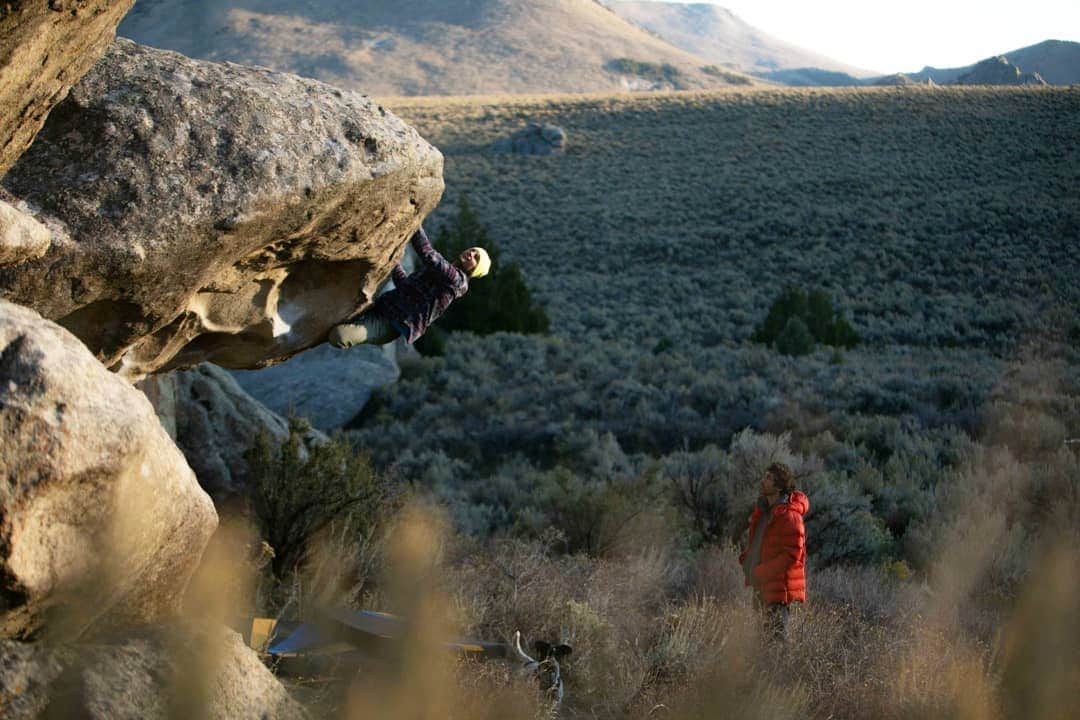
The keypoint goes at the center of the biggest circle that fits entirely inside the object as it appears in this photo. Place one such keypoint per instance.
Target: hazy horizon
(886, 39)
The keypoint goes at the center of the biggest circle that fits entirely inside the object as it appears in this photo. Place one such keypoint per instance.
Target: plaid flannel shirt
(419, 299)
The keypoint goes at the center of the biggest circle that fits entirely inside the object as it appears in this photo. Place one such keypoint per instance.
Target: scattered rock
(215, 212)
(101, 520)
(22, 237)
(155, 672)
(327, 386)
(534, 139)
(44, 50)
(214, 422)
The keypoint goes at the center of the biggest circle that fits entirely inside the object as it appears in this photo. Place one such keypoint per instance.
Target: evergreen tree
(501, 301)
(795, 339)
(818, 320)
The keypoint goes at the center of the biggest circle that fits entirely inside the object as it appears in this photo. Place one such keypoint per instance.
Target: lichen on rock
(45, 47)
(22, 237)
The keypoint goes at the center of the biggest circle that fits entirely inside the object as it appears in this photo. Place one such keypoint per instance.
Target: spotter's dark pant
(774, 618)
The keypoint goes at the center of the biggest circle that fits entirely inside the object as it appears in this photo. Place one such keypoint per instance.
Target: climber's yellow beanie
(483, 264)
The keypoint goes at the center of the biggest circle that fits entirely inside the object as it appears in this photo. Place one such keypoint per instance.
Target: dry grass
(663, 634)
(657, 634)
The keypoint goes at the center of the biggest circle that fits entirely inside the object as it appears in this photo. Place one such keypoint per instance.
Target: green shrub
(432, 343)
(841, 526)
(499, 302)
(700, 488)
(795, 339)
(301, 489)
(818, 321)
(655, 72)
(663, 345)
(594, 514)
(731, 77)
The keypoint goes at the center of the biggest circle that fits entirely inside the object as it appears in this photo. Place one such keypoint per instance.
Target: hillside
(718, 35)
(760, 178)
(943, 222)
(436, 48)
(672, 221)
(1055, 61)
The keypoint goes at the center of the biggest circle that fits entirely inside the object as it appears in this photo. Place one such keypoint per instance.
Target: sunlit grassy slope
(940, 217)
(427, 47)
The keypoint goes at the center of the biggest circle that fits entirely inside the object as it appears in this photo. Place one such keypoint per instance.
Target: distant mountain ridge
(429, 47)
(1057, 62)
(999, 71)
(719, 36)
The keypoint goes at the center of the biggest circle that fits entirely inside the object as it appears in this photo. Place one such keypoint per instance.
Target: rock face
(327, 386)
(214, 212)
(163, 672)
(998, 71)
(214, 422)
(45, 47)
(22, 237)
(101, 520)
(533, 139)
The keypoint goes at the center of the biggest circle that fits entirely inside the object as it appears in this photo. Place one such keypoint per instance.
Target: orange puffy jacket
(780, 575)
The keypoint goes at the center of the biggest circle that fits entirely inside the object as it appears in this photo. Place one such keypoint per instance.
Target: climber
(417, 300)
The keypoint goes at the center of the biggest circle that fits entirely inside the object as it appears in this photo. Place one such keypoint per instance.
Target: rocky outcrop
(534, 139)
(998, 71)
(163, 672)
(896, 79)
(101, 520)
(327, 386)
(214, 422)
(1054, 62)
(214, 212)
(22, 237)
(45, 47)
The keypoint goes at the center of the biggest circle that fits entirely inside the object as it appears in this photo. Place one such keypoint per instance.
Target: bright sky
(903, 37)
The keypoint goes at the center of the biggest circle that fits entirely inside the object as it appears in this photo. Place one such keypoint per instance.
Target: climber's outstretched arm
(398, 274)
(428, 254)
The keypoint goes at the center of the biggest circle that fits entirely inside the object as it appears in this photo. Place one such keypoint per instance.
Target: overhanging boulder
(102, 523)
(45, 47)
(214, 212)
